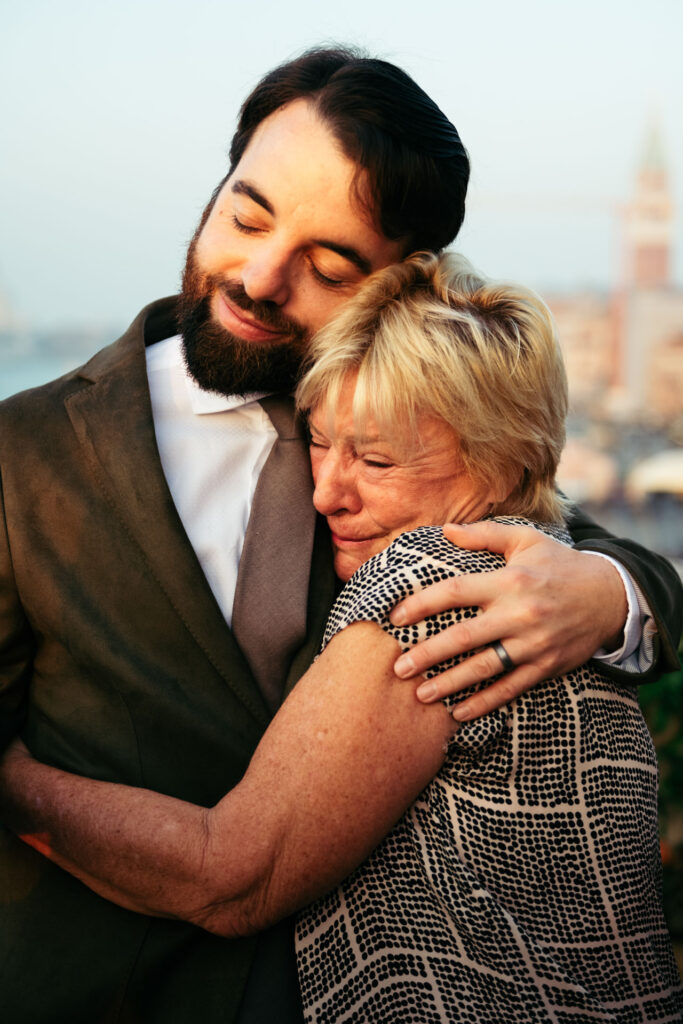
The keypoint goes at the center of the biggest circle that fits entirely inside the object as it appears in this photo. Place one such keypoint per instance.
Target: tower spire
(649, 219)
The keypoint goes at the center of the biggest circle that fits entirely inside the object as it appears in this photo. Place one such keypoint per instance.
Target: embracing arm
(346, 755)
(656, 578)
(552, 607)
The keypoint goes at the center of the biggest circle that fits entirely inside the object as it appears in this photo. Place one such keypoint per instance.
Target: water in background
(19, 373)
(29, 358)
(657, 524)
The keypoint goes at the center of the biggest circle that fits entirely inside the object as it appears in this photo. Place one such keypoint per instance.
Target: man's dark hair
(417, 167)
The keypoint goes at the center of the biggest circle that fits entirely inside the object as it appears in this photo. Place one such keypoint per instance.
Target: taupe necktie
(269, 612)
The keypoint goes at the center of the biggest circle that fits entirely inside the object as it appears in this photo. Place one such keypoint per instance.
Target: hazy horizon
(116, 122)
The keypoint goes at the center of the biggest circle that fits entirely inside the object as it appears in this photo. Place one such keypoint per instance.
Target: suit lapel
(271, 597)
(112, 419)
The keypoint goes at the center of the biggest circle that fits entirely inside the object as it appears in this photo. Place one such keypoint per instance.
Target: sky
(115, 121)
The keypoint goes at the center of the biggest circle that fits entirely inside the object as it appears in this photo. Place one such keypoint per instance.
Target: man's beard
(221, 362)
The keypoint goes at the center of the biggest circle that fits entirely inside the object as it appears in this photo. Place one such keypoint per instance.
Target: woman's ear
(501, 489)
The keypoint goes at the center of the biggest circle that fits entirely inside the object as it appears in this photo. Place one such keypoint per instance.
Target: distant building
(624, 351)
(586, 326)
(648, 222)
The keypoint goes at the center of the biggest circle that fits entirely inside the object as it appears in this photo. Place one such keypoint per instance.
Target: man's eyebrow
(243, 188)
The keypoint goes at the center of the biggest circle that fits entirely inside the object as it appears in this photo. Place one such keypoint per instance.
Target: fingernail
(426, 691)
(405, 666)
(398, 616)
(461, 713)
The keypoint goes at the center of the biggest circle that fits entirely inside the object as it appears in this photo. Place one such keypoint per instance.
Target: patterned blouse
(524, 884)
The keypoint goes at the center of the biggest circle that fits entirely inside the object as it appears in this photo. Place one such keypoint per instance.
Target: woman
(513, 864)
(515, 872)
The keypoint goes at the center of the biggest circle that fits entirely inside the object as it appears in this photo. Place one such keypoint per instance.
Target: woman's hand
(15, 762)
(551, 606)
(25, 784)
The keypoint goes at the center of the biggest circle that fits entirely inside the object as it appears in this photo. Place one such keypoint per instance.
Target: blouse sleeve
(413, 561)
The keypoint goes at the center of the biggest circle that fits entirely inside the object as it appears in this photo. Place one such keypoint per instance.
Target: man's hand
(551, 606)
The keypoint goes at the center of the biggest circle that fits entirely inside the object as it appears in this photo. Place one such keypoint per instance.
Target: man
(147, 634)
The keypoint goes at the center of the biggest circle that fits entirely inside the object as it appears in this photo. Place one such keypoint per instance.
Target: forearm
(654, 575)
(143, 850)
(345, 756)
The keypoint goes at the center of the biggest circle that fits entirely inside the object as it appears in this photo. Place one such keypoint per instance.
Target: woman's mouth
(349, 542)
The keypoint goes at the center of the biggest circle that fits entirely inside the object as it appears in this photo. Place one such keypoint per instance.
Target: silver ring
(506, 661)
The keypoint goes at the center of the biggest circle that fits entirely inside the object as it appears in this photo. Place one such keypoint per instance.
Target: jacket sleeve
(16, 644)
(658, 581)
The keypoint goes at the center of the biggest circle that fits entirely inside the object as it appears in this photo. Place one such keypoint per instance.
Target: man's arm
(16, 643)
(656, 578)
(551, 606)
(347, 753)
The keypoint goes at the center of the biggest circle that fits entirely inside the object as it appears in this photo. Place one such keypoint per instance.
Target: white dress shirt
(212, 450)
(637, 652)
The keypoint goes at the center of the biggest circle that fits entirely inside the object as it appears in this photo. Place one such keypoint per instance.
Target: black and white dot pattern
(524, 884)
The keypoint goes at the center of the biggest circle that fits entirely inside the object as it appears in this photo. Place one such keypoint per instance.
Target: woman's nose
(335, 490)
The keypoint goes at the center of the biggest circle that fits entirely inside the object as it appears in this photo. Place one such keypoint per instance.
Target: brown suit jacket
(116, 662)
(109, 628)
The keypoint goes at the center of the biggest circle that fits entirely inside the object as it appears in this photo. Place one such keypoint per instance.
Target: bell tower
(649, 221)
(647, 304)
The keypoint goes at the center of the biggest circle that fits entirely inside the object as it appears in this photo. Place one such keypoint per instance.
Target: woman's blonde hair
(432, 336)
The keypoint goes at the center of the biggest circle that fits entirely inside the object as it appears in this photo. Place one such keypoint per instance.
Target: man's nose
(335, 489)
(265, 275)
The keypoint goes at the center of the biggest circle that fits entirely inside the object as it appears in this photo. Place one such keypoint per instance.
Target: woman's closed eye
(317, 442)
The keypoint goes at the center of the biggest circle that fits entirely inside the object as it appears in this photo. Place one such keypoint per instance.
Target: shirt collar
(203, 402)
